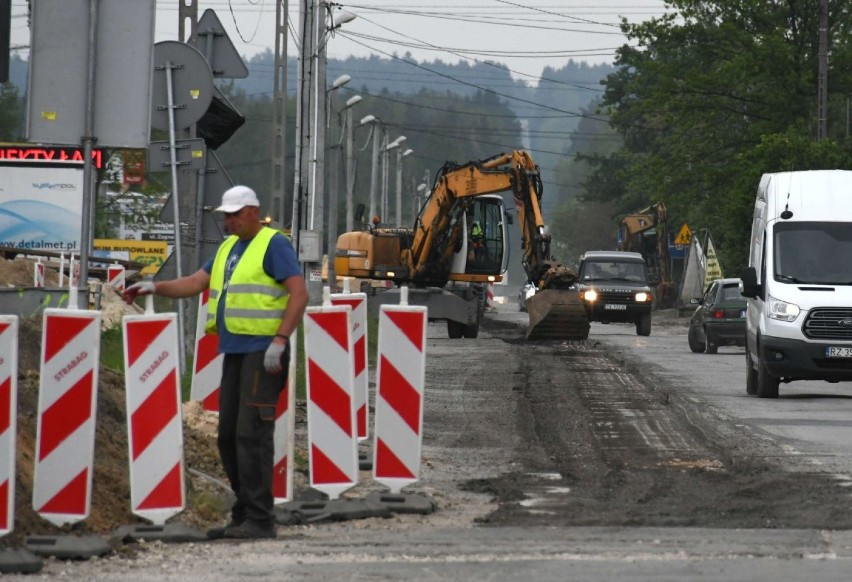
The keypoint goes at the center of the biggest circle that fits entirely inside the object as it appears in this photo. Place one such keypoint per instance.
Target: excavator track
(557, 314)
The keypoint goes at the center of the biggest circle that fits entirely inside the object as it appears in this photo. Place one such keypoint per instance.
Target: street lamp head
(368, 119)
(339, 18)
(407, 152)
(352, 101)
(421, 187)
(399, 140)
(391, 146)
(340, 82)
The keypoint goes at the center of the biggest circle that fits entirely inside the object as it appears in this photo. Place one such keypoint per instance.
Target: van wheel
(455, 329)
(767, 385)
(643, 326)
(694, 345)
(751, 377)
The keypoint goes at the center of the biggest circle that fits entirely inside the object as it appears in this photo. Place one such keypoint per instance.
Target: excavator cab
(482, 237)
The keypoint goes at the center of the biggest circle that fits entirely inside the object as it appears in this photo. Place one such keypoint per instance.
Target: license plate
(838, 352)
(616, 307)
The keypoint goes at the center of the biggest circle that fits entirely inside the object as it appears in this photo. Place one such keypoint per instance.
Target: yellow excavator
(459, 244)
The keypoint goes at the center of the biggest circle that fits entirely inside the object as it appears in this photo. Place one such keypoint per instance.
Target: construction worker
(257, 299)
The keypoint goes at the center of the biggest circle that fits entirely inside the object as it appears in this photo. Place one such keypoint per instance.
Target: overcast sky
(525, 35)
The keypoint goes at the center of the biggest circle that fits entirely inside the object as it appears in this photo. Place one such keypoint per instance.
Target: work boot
(217, 533)
(251, 530)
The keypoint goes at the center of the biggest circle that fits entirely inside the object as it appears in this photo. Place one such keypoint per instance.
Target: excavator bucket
(557, 314)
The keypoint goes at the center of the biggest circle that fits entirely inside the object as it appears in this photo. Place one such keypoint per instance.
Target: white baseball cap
(235, 198)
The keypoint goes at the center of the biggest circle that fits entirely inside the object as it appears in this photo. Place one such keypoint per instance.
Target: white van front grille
(829, 323)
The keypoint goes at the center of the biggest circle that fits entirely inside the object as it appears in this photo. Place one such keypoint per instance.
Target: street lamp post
(331, 242)
(421, 191)
(374, 174)
(394, 145)
(399, 157)
(349, 174)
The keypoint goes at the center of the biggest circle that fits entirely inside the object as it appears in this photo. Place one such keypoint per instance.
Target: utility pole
(277, 192)
(822, 90)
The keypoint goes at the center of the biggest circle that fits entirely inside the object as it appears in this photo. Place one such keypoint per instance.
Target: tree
(711, 96)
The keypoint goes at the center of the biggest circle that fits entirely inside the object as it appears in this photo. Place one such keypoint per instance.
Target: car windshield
(731, 292)
(603, 270)
(813, 252)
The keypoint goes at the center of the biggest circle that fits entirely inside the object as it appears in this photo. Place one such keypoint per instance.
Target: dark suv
(614, 287)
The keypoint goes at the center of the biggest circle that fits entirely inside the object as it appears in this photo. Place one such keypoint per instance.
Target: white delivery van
(799, 281)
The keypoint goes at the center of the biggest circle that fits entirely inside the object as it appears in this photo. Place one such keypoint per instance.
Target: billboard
(151, 253)
(41, 204)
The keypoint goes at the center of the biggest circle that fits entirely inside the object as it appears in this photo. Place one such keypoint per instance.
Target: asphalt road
(618, 457)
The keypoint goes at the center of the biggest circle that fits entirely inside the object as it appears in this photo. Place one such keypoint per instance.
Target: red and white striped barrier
(399, 394)
(207, 365)
(332, 435)
(285, 430)
(155, 430)
(489, 296)
(358, 321)
(8, 419)
(38, 274)
(67, 401)
(115, 277)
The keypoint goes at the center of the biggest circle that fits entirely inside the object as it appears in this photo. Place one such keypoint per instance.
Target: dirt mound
(110, 505)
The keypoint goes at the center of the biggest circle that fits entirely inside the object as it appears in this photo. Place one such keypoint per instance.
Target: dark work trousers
(247, 399)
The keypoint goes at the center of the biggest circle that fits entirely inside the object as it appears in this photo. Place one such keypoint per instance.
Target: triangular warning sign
(684, 236)
(225, 61)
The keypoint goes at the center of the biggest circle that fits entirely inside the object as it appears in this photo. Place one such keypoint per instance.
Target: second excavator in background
(459, 244)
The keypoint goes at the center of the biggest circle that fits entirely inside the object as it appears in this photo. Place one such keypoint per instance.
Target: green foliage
(708, 99)
(11, 113)
(112, 349)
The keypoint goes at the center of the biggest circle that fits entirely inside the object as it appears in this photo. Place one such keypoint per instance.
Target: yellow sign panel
(684, 237)
(714, 268)
(151, 253)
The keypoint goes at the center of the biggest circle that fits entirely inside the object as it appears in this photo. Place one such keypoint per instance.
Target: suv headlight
(781, 310)
(642, 297)
(590, 295)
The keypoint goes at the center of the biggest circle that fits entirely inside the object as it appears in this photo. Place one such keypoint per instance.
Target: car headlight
(781, 310)
(591, 295)
(642, 297)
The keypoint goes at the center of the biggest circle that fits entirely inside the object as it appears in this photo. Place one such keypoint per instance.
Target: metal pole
(88, 139)
(317, 208)
(384, 213)
(350, 170)
(277, 191)
(374, 176)
(175, 205)
(399, 186)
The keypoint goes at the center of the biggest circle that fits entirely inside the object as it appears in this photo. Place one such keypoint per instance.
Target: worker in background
(477, 238)
(257, 299)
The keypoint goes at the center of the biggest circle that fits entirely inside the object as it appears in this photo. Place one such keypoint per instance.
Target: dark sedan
(719, 319)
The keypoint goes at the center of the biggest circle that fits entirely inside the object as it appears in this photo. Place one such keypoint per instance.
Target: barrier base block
(19, 561)
(68, 547)
(175, 533)
(405, 502)
(315, 511)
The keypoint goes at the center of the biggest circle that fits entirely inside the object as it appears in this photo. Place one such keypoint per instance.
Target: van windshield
(813, 252)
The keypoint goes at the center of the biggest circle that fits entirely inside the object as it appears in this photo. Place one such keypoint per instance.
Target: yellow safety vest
(255, 302)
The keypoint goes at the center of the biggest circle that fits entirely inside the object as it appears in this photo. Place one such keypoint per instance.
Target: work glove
(143, 288)
(272, 358)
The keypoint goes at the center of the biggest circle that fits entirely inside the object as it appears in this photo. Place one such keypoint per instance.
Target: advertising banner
(41, 205)
(151, 253)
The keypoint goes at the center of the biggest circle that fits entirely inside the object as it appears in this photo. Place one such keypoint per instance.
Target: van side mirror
(749, 286)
